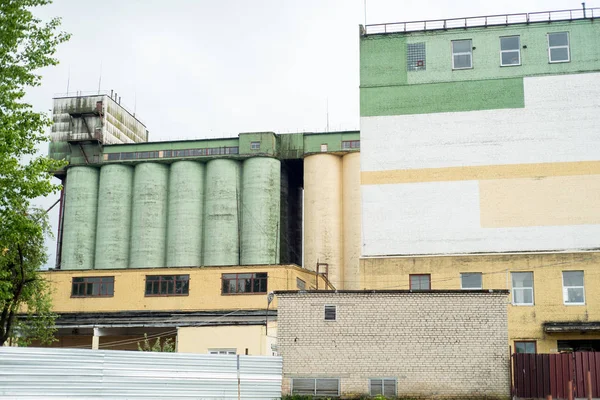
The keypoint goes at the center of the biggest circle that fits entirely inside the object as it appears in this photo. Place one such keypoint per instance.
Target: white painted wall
(560, 123)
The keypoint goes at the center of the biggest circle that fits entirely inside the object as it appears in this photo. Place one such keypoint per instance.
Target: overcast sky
(215, 68)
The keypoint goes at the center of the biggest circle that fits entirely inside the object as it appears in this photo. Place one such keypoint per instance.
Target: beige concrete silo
(352, 220)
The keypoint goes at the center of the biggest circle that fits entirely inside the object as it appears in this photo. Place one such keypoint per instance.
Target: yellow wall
(525, 322)
(202, 339)
(204, 292)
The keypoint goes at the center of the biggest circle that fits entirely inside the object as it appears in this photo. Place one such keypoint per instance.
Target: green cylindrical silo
(260, 212)
(114, 216)
(79, 224)
(186, 200)
(222, 213)
(149, 216)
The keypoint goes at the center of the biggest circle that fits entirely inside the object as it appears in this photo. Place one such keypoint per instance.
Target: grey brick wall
(451, 345)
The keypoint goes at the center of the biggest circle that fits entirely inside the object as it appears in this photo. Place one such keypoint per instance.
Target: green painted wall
(261, 178)
(442, 97)
(267, 140)
(291, 146)
(79, 229)
(176, 145)
(114, 216)
(376, 69)
(186, 204)
(333, 140)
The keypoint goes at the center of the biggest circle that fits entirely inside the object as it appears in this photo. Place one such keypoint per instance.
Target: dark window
(167, 285)
(114, 156)
(300, 284)
(578, 345)
(330, 313)
(244, 283)
(525, 347)
(93, 287)
(167, 153)
(127, 156)
(470, 280)
(254, 145)
(350, 144)
(322, 387)
(382, 386)
(420, 282)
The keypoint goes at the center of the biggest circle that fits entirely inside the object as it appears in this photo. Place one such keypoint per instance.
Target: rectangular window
(558, 47)
(510, 50)
(114, 156)
(420, 282)
(573, 289)
(254, 145)
(103, 286)
(462, 54)
(222, 352)
(415, 57)
(528, 347)
(382, 386)
(300, 284)
(167, 285)
(522, 288)
(470, 281)
(244, 283)
(350, 144)
(330, 313)
(321, 387)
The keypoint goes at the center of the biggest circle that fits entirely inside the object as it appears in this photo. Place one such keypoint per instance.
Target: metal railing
(482, 21)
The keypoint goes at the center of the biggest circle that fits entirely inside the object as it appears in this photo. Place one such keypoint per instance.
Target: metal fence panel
(100, 374)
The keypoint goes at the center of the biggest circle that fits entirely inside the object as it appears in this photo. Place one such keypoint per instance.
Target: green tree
(167, 345)
(26, 45)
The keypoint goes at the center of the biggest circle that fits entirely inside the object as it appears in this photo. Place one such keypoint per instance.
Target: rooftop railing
(482, 21)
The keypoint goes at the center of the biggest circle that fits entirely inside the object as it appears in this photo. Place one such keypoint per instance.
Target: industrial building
(156, 237)
(480, 166)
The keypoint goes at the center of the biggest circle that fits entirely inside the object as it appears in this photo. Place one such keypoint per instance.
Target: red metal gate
(538, 375)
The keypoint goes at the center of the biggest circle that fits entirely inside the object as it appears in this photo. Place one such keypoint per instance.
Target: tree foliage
(26, 44)
(167, 346)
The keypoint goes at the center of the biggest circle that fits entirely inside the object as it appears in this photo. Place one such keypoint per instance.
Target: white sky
(215, 68)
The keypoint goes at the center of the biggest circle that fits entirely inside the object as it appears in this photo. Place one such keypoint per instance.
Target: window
(462, 54)
(300, 284)
(383, 386)
(350, 144)
(573, 290)
(322, 387)
(528, 347)
(558, 47)
(244, 283)
(323, 148)
(330, 313)
(522, 288)
(420, 282)
(93, 287)
(226, 352)
(415, 57)
(510, 50)
(470, 281)
(167, 285)
(254, 145)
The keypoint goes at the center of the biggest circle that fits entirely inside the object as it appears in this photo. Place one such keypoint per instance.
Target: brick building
(451, 344)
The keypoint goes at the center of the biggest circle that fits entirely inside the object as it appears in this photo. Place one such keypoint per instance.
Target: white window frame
(471, 273)
(568, 47)
(518, 50)
(383, 380)
(513, 289)
(223, 352)
(462, 53)
(566, 301)
(253, 145)
(325, 312)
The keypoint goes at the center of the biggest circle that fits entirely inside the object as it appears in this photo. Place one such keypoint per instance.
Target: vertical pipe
(61, 214)
(588, 385)
(570, 390)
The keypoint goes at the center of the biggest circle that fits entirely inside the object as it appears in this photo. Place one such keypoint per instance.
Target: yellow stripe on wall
(476, 173)
(553, 201)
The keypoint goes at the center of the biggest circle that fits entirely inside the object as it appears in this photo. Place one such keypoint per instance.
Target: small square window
(254, 145)
(470, 281)
(420, 282)
(573, 288)
(323, 148)
(558, 47)
(528, 347)
(522, 288)
(330, 313)
(462, 54)
(510, 51)
(382, 386)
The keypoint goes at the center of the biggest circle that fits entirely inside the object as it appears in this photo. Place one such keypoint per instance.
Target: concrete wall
(450, 345)
(204, 289)
(525, 323)
(249, 339)
(520, 179)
